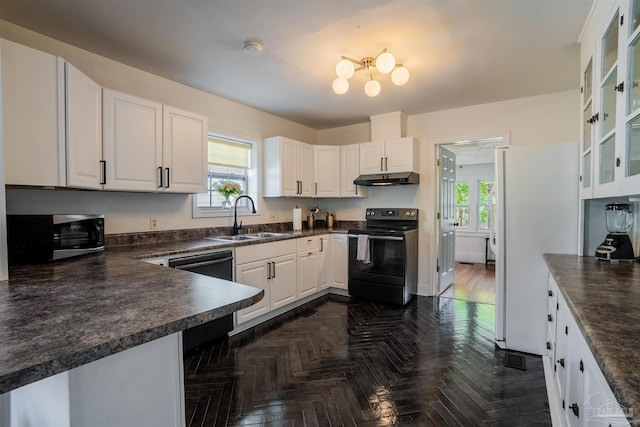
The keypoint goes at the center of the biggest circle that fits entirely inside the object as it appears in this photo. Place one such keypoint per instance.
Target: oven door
(387, 266)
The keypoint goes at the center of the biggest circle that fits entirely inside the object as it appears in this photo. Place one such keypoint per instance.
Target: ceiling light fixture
(384, 62)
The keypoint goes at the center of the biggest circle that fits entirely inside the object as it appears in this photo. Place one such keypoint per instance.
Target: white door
(184, 154)
(340, 260)
(326, 170)
(324, 264)
(254, 274)
(350, 170)
(371, 158)
(84, 130)
(305, 169)
(132, 142)
(282, 285)
(307, 273)
(447, 241)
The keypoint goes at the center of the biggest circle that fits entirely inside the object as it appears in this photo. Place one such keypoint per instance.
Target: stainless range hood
(401, 178)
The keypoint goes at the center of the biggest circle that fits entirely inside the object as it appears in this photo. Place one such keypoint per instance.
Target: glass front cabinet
(610, 86)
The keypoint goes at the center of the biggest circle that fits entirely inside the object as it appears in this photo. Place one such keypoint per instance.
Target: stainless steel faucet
(237, 227)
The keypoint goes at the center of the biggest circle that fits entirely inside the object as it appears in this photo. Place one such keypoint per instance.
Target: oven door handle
(204, 263)
(377, 237)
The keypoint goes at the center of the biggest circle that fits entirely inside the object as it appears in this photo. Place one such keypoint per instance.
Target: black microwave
(42, 238)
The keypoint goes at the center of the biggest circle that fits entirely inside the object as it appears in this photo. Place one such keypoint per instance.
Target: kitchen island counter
(604, 298)
(58, 316)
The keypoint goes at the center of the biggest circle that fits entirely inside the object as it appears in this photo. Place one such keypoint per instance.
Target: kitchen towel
(297, 219)
(362, 253)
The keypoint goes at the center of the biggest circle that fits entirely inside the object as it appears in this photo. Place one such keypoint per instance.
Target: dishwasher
(217, 264)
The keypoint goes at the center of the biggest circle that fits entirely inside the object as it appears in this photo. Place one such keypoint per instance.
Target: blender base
(616, 247)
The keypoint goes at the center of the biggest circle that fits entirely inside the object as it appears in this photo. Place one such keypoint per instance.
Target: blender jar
(619, 219)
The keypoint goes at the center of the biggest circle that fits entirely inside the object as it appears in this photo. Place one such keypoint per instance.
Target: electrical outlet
(272, 218)
(153, 223)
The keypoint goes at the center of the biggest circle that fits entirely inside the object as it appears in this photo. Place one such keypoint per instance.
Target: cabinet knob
(618, 162)
(548, 345)
(550, 293)
(561, 362)
(549, 318)
(620, 87)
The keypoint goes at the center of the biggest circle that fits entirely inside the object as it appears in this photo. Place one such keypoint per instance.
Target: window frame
(252, 176)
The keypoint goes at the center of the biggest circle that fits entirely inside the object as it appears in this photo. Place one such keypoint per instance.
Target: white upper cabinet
(33, 116)
(349, 171)
(84, 130)
(184, 151)
(393, 155)
(151, 147)
(610, 61)
(326, 170)
(132, 142)
(288, 168)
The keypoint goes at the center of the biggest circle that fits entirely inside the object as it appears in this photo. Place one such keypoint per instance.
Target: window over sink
(232, 165)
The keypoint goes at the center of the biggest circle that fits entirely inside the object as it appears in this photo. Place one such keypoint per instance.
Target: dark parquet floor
(353, 363)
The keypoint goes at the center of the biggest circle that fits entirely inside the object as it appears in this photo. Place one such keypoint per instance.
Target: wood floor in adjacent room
(473, 282)
(349, 363)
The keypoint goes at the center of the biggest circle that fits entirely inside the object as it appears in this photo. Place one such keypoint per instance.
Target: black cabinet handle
(561, 362)
(548, 345)
(268, 270)
(273, 270)
(575, 409)
(381, 168)
(549, 318)
(103, 164)
(160, 176)
(168, 178)
(321, 244)
(618, 162)
(386, 164)
(550, 293)
(316, 190)
(581, 366)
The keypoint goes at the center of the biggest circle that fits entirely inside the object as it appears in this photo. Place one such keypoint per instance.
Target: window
(472, 205)
(230, 161)
(462, 204)
(484, 187)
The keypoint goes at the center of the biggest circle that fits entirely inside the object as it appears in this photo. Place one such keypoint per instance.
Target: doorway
(471, 277)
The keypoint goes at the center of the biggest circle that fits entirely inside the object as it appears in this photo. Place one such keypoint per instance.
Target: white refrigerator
(536, 212)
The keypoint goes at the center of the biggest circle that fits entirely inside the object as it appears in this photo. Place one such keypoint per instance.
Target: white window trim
(254, 175)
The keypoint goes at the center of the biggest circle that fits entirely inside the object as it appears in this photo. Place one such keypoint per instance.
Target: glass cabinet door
(607, 164)
(610, 46)
(633, 148)
(609, 97)
(586, 170)
(587, 127)
(633, 85)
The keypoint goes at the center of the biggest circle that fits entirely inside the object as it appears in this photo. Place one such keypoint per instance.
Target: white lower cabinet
(324, 263)
(339, 254)
(308, 265)
(579, 389)
(271, 267)
(283, 280)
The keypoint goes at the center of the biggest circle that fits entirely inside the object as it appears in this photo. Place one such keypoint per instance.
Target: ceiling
(458, 52)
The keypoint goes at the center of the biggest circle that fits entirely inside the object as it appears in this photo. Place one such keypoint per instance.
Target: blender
(617, 244)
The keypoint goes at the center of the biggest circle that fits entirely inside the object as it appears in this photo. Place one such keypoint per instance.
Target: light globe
(372, 88)
(400, 76)
(345, 69)
(340, 85)
(385, 62)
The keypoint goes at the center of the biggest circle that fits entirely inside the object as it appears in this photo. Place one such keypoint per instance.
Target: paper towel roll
(297, 219)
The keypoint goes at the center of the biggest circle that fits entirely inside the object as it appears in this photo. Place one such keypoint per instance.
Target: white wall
(131, 212)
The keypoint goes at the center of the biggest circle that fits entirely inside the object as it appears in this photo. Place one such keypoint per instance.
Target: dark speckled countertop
(61, 315)
(605, 301)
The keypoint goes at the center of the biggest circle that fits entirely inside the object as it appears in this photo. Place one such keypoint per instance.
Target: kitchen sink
(234, 238)
(266, 234)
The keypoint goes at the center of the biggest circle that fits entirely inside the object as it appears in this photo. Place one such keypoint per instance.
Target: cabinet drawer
(308, 244)
(264, 250)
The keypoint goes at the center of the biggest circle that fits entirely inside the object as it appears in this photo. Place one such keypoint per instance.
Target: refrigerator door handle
(493, 207)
